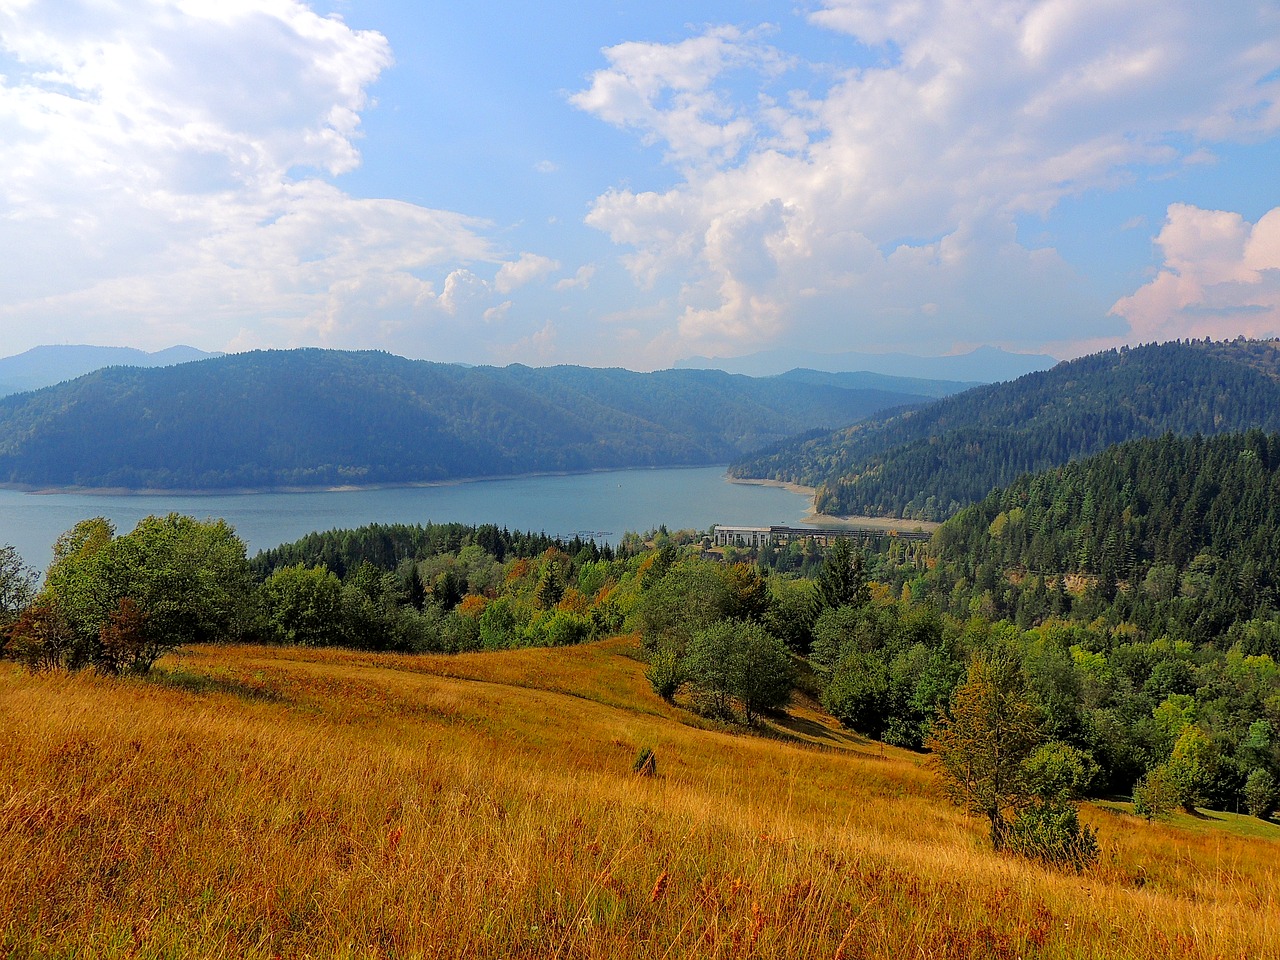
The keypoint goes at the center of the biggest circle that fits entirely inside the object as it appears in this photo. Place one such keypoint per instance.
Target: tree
(189, 580)
(1261, 793)
(17, 585)
(1191, 767)
(550, 587)
(708, 665)
(842, 581)
(17, 589)
(738, 660)
(859, 693)
(982, 745)
(303, 606)
(761, 671)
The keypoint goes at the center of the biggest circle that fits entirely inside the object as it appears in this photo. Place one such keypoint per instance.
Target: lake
(601, 505)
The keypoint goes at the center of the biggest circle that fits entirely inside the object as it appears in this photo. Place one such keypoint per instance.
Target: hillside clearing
(261, 801)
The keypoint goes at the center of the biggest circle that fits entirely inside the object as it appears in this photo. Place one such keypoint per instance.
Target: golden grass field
(263, 802)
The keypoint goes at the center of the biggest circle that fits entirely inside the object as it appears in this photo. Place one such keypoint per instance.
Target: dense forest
(1177, 535)
(317, 417)
(928, 463)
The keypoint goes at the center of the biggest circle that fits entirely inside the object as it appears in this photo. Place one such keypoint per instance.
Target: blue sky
(629, 184)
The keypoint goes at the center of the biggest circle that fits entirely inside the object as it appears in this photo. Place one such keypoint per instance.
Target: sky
(630, 184)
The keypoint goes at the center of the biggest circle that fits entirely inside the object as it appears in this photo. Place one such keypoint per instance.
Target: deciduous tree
(981, 746)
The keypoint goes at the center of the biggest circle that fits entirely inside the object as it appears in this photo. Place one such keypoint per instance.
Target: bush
(646, 763)
(1261, 793)
(665, 673)
(42, 639)
(1155, 795)
(1052, 833)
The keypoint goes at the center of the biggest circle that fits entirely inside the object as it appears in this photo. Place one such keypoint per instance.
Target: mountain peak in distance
(983, 365)
(44, 366)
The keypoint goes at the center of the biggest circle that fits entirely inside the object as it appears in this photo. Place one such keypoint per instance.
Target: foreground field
(264, 802)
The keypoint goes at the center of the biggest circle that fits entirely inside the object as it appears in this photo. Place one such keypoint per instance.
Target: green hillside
(1178, 535)
(927, 463)
(315, 417)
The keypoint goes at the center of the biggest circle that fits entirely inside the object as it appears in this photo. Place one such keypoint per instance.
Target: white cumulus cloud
(526, 269)
(881, 209)
(165, 178)
(1220, 278)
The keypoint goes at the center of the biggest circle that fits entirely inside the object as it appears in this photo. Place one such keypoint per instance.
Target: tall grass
(262, 802)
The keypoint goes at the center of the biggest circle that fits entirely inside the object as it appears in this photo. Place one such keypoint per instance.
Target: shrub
(1261, 793)
(123, 643)
(1052, 833)
(1155, 795)
(665, 673)
(646, 763)
(565, 629)
(42, 639)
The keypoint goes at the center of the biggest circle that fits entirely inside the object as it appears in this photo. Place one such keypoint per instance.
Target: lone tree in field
(982, 747)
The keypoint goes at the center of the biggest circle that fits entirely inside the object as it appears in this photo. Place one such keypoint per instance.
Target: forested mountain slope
(927, 463)
(1188, 526)
(305, 417)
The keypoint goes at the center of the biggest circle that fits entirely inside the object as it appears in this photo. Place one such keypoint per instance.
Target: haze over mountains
(317, 417)
(983, 365)
(46, 365)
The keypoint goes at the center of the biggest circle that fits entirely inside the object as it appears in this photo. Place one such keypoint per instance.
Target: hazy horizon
(490, 183)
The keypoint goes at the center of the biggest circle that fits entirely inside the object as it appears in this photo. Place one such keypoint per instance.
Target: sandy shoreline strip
(827, 520)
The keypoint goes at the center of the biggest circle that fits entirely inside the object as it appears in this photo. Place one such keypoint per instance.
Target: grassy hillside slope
(266, 802)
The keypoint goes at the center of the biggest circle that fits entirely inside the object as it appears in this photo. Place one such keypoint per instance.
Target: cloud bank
(1220, 278)
(167, 178)
(881, 209)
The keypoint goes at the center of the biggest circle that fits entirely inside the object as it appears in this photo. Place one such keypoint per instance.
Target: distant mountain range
(321, 417)
(983, 365)
(45, 366)
(928, 462)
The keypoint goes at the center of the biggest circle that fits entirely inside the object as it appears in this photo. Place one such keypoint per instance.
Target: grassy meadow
(264, 802)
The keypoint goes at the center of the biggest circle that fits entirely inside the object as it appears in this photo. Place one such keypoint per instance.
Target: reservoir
(602, 506)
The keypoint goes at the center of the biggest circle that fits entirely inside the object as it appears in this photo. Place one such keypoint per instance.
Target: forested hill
(927, 463)
(1191, 526)
(319, 417)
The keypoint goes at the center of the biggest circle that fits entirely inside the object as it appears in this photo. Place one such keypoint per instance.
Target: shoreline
(52, 491)
(783, 484)
(811, 516)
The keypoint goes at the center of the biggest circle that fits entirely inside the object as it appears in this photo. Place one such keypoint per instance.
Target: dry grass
(268, 802)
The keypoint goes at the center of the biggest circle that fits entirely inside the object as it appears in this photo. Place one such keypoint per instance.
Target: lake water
(603, 505)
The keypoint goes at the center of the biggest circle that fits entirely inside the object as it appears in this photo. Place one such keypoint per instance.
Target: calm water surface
(605, 505)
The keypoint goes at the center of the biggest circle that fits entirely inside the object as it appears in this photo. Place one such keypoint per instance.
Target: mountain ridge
(50, 364)
(321, 418)
(928, 462)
